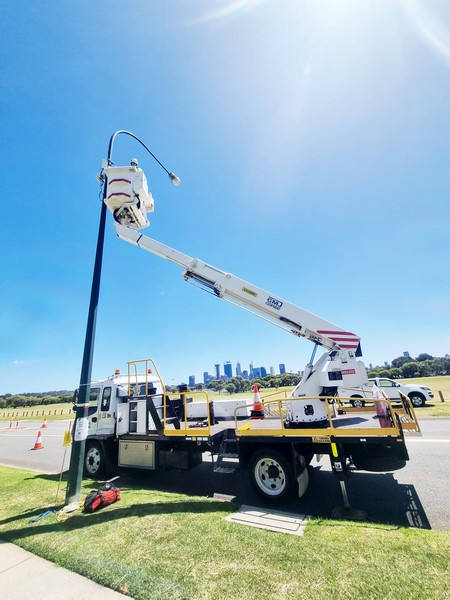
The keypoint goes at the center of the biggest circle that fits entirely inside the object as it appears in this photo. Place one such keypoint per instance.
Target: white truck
(135, 423)
(418, 394)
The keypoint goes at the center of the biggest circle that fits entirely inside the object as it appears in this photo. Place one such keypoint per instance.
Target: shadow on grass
(378, 494)
(108, 516)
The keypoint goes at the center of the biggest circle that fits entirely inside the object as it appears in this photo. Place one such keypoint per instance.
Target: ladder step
(229, 455)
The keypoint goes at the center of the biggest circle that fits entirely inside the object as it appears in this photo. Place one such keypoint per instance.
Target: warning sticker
(321, 439)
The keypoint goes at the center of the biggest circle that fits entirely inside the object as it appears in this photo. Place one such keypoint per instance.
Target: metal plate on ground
(273, 520)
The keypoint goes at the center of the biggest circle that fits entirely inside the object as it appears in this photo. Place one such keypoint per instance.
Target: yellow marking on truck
(245, 427)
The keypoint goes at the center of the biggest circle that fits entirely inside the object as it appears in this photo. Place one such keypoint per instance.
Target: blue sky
(312, 140)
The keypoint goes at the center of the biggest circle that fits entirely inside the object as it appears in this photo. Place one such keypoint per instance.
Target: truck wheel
(379, 464)
(417, 399)
(357, 402)
(271, 475)
(94, 460)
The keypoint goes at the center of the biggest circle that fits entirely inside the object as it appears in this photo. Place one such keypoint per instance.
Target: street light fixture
(80, 429)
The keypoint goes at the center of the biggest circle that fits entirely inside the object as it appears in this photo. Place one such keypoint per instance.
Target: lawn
(156, 545)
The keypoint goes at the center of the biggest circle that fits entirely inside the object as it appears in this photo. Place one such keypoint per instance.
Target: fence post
(441, 395)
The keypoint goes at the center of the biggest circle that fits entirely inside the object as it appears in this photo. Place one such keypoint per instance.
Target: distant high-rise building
(256, 372)
(217, 366)
(206, 377)
(228, 369)
(272, 371)
(282, 368)
(406, 354)
(245, 374)
(263, 371)
(191, 380)
(238, 370)
(250, 371)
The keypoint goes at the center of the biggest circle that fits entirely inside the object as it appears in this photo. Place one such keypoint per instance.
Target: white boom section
(293, 319)
(128, 199)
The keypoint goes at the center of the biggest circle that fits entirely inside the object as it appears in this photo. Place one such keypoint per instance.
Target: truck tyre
(417, 399)
(271, 475)
(379, 464)
(357, 402)
(94, 460)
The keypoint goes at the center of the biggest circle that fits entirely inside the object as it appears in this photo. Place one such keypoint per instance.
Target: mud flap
(303, 482)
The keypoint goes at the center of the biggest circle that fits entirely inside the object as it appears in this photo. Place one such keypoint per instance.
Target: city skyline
(252, 372)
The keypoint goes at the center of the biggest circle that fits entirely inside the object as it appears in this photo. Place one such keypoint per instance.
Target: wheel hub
(270, 476)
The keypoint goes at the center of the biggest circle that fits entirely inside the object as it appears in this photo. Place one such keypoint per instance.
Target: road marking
(432, 441)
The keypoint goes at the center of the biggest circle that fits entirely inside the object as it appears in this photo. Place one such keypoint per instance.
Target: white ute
(418, 394)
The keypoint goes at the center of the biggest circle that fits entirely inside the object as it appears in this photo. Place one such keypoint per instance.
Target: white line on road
(431, 441)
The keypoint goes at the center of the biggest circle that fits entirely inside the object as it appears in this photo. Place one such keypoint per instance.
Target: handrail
(388, 424)
(189, 430)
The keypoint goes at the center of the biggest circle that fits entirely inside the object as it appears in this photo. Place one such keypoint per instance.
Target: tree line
(35, 399)
(405, 367)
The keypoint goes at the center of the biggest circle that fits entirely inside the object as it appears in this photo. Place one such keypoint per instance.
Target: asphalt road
(416, 496)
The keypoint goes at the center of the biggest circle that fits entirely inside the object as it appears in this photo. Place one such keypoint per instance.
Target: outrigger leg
(338, 464)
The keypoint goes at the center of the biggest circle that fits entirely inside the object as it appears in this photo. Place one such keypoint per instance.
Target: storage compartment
(137, 422)
(179, 459)
(137, 454)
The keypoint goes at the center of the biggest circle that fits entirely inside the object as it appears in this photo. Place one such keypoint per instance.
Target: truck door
(106, 410)
(94, 395)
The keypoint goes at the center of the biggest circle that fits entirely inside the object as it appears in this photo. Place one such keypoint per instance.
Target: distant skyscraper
(245, 374)
(206, 377)
(228, 369)
(406, 354)
(282, 369)
(238, 369)
(256, 372)
(250, 372)
(263, 371)
(217, 371)
(272, 371)
(191, 380)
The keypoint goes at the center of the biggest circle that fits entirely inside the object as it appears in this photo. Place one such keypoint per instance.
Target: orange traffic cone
(258, 408)
(38, 444)
(44, 424)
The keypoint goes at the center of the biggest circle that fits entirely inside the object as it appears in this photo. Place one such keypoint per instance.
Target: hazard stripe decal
(351, 339)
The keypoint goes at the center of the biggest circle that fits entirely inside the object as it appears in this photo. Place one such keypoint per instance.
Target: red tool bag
(106, 495)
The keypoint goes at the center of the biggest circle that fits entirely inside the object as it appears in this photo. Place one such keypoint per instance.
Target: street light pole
(80, 429)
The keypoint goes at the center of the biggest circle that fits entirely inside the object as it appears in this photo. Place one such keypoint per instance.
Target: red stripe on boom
(119, 181)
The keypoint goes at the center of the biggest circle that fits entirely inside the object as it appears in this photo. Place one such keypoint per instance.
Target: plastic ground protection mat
(273, 520)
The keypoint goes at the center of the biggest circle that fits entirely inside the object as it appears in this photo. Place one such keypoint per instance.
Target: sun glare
(429, 27)
(232, 11)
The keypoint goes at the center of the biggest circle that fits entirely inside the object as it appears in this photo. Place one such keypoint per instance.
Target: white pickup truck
(418, 394)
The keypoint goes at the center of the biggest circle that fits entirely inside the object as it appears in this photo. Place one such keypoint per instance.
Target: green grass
(52, 412)
(156, 545)
(435, 408)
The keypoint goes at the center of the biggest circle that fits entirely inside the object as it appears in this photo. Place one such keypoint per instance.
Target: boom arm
(129, 200)
(289, 317)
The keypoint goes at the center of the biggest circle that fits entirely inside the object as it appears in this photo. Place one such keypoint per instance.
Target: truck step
(229, 455)
(226, 470)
